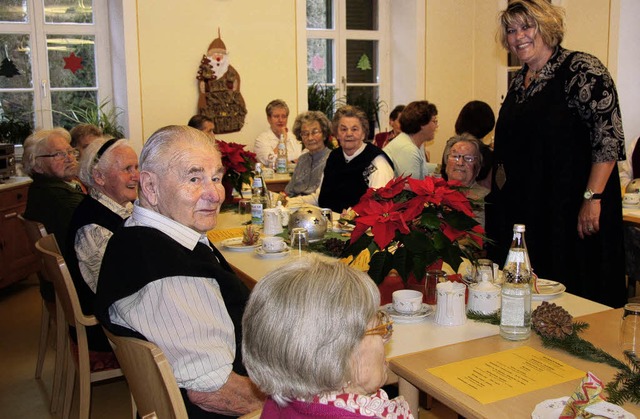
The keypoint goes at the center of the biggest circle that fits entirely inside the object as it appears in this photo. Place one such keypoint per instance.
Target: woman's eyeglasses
(62, 155)
(468, 158)
(307, 134)
(384, 328)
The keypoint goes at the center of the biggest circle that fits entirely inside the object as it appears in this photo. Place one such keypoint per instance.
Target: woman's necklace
(532, 75)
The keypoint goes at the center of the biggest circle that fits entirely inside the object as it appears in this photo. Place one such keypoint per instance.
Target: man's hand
(238, 396)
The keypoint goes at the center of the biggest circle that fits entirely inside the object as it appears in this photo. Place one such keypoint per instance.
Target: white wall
(628, 68)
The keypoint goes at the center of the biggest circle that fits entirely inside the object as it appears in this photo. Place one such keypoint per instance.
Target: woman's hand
(589, 218)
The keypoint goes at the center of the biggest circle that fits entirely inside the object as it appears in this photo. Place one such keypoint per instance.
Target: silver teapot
(310, 218)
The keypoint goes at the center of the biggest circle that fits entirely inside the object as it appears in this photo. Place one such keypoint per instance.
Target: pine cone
(552, 321)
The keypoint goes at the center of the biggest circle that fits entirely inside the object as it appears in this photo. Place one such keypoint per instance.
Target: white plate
(637, 206)
(424, 312)
(235, 244)
(271, 255)
(551, 409)
(548, 290)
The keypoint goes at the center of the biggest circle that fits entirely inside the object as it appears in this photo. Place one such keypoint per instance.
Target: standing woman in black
(558, 138)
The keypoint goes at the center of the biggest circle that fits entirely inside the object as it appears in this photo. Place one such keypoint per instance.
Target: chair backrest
(57, 270)
(35, 231)
(150, 377)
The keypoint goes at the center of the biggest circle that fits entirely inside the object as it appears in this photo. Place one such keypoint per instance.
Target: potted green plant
(14, 130)
(370, 104)
(322, 98)
(103, 115)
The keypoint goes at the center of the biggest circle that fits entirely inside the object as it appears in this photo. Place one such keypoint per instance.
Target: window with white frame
(347, 53)
(54, 59)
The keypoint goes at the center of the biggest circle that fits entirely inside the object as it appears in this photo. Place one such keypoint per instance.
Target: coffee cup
(273, 244)
(407, 301)
(631, 199)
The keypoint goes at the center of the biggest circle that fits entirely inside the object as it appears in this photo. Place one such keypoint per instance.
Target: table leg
(410, 393)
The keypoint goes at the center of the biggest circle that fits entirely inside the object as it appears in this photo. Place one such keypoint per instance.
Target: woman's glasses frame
(384, 328)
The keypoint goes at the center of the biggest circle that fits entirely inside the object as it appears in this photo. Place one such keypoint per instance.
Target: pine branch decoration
(625, 386)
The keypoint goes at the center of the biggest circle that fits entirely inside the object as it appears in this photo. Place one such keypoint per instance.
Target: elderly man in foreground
(163, 280)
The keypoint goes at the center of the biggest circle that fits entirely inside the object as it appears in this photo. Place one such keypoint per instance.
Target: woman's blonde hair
(547, 19)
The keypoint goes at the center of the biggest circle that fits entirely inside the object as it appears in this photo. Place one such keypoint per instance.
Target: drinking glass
(244, 209)
(630, 328)
(431, 280)
(485, 266)
(299, 240)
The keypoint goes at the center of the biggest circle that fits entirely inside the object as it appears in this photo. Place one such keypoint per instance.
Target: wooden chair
(36, 231)
(150, 377)
(68, 308)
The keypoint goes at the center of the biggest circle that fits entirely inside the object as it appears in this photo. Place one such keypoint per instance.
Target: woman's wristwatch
(590, 195)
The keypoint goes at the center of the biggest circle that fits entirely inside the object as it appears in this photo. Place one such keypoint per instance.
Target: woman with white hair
(463, 156)
(313, 340)
(109, 167)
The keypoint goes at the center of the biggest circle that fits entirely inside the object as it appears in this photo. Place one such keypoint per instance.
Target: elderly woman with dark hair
(313, 340)
(464, 161)
(351, 168)
(313, 130)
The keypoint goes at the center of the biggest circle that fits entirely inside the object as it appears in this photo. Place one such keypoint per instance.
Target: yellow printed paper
(506, 374)
(215, 236)
(361, 262)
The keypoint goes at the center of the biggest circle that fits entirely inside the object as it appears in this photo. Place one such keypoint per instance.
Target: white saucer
(627, 206)
(397, 317)
(548, 290)
(235, 244)
(271, 255)
(551, 409)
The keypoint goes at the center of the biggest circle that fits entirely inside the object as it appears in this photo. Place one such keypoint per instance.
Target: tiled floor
(22, 396)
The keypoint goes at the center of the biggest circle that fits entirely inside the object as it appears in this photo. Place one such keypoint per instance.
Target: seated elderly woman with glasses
(313, 340)
(464, 161)
(313, 130)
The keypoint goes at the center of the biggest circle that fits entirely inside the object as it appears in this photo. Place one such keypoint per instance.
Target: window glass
(60, 103)
(320, 61)
(16, 106)
(13, 11)
(71, 61)
(362, 61)
(319, 14)
(15, 61)
(68, 11)
(362, 14)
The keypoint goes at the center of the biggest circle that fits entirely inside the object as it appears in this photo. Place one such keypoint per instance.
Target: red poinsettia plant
(238, 162)
(410, 224)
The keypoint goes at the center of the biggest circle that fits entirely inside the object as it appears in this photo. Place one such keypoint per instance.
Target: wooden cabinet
(17, 257)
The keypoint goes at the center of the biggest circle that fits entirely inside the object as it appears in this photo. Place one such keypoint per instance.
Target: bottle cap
(519, 228)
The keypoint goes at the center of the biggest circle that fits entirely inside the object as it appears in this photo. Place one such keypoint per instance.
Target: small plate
(548, 290)
(552, 408)
(235, 244)
(271, 255)
(397, 317)
(628, 206)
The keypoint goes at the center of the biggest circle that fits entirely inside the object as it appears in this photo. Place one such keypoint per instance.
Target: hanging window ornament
(364, 63)
(8, 68)
(72, 62)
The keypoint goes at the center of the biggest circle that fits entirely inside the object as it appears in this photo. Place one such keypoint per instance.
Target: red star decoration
(73, 62)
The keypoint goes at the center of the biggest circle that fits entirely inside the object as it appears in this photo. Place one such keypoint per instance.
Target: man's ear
(149, 187)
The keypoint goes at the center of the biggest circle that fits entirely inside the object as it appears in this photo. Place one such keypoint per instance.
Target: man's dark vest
(344, 183)
(137, 256)
(90, 211)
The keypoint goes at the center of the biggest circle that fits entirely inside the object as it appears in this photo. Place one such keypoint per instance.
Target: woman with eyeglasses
(558, 137)
(313, 130)
(464, 161)
(313, 340)
(351, 168)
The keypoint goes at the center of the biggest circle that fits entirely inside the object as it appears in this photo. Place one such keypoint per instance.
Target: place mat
(216, 236)
(506, 374)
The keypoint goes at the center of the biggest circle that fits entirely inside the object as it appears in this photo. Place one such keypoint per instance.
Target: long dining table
(407, 338)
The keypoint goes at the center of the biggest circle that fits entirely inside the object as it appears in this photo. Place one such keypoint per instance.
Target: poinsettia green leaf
(440, 241)
(430, 219)
(358, 246)
(453, 256)
(417, 241)
(459, 220)
(400, 262)
(380, 265)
